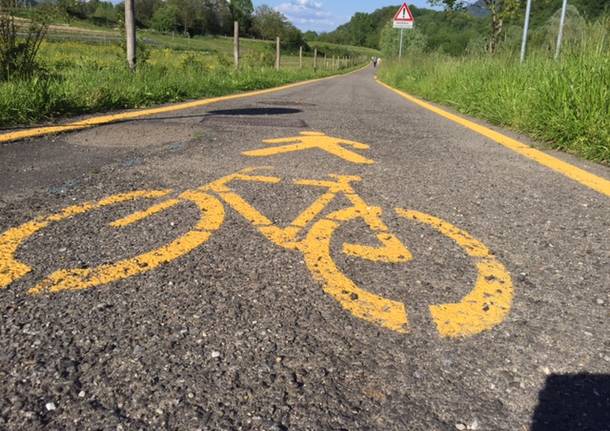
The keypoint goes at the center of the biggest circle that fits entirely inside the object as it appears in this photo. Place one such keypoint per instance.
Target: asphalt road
(233, 323)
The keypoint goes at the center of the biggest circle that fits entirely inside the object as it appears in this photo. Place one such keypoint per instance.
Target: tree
(310, 36)
(186, 13)
(500, 12)
(241, 11)
(105, 14)
(268, 23)
(362, 26)
(573, 31)
(145, 9)
(165, 18)
(414, 41)
(72, 8)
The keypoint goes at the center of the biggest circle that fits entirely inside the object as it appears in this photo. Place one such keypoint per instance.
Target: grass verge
(565, 103)
(82, 79)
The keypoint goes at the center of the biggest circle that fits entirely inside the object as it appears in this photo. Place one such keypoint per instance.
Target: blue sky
(326, 15)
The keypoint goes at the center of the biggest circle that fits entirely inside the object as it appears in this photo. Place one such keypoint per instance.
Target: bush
(18, 55)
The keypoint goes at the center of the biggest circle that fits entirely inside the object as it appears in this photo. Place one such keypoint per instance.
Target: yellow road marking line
(112, 118)
(141, 215)
(488, 303)
(313, 210)
(11, 269)
(211, 218)
(311, 140)
(579, 175)
(360, 303)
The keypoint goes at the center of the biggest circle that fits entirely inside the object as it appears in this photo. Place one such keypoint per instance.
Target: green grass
(88, 74)
(564, 103)
(344, 49)
(87, 78)
(78, 30)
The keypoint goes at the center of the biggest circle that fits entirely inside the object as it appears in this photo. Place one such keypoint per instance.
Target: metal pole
(236, 43)
(526, 25)
(561, 23)
(400, 48)
(277, 53)
(130, 32)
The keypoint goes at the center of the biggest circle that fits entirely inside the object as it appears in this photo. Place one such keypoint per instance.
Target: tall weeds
(565, 103)
(18, 52)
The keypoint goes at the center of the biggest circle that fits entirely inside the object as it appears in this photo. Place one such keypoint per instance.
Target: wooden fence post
(236, 43)
(300, 57)
(277, 53)
(130, 32)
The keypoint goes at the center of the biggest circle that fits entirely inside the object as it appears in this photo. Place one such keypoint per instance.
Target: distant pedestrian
(374, 61)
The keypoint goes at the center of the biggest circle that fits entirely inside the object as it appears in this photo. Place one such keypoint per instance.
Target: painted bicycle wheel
(211, 218)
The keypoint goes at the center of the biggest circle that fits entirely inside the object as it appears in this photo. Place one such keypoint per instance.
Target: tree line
(461, 27)
(186, 17)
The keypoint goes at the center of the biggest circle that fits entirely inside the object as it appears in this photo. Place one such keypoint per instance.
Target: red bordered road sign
(404, 17)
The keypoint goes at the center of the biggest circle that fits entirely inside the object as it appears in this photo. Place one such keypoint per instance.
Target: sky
(326, 15)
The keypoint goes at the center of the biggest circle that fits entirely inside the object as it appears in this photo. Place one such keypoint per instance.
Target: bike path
(244, 331)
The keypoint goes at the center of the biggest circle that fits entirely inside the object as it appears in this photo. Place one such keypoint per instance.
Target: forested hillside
(454, 31)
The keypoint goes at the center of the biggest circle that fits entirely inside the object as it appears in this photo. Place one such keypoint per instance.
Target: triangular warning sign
(404, 14)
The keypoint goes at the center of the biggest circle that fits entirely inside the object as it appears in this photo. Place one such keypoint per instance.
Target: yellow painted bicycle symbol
(485, 306)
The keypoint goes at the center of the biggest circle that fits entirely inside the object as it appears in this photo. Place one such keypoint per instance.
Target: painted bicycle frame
(485, 306)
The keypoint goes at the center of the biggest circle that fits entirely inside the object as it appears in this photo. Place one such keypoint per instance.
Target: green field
(84, 71)
(85, 31)
(564, 103)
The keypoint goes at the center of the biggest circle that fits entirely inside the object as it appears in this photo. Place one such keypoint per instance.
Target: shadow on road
(573, 402)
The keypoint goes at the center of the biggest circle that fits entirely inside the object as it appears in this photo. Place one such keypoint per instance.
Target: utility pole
(526, 25)
(130, 32)
(277, 53)
(561, 24)
(236, 43)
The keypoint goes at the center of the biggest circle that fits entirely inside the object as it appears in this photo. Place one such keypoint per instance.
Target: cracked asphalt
(237, 334)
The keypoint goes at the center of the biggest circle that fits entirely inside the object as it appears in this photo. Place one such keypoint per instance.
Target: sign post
(402, 30)
(403, 19)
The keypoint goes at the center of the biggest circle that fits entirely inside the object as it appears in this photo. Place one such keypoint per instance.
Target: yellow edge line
(585, 178)
(106, 119)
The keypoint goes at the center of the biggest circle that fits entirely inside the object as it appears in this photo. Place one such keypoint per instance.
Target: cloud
(307, 14)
